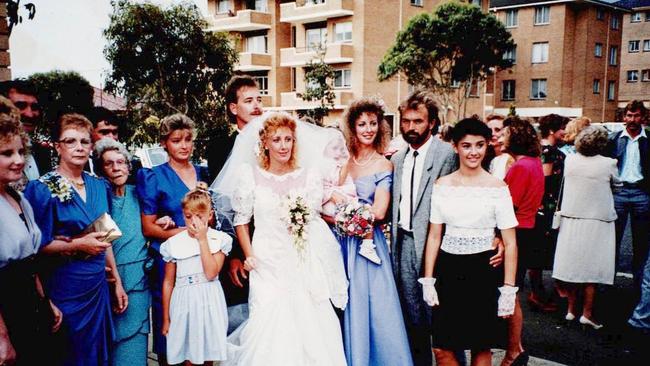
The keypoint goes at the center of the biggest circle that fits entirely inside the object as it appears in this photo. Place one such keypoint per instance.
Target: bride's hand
(250, 263)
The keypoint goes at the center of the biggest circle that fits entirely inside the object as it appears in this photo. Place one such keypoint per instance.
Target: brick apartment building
(5, 72)
(276, 39)
(635, 56)
(567, 57)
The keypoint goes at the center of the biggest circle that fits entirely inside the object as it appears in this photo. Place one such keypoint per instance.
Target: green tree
(163, 62)
(318, 80)
(448, 52)
(61, 92)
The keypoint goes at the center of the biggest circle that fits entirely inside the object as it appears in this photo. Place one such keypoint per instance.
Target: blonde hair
(198, 199)
(574, 127)
(272, 124)
(175, 122)
(10, 125)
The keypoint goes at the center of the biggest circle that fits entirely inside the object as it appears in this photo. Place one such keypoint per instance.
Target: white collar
(422, 150)
(642, 134)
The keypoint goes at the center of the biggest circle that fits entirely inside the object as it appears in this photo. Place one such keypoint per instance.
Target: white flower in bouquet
(296, 214)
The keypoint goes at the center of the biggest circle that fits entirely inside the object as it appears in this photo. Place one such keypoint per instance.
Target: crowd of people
(254, 270)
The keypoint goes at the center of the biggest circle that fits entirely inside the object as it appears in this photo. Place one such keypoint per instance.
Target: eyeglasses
(71, 143)
(116, 163)
(23, 105)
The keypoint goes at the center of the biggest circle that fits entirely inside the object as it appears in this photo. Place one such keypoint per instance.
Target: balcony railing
(309, 12)
(243, 21)
(291, 100)
(249, 61)
(335, 53)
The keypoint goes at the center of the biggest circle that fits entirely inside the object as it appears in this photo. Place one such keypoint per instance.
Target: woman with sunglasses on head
(67, 201)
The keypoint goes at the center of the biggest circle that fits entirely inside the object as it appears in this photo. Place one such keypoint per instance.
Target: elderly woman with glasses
(131, 326)
(66, 202)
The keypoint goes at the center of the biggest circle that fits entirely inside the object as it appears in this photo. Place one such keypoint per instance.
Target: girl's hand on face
(197, 228)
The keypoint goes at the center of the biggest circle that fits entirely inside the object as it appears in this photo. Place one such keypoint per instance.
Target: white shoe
(367, 250)
(569, 316)
(586, 322)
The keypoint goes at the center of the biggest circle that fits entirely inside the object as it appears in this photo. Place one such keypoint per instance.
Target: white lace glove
(507, 300)
(429, 293)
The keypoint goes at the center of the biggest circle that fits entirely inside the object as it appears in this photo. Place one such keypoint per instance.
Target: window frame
(539, 83)
(598, 49)
(513, 51)
(631, 49)
(632, 76)
(615, 22)
(544, 49)
(248, 44)
(611, 90)
(417, 3)
(512, 95)
(635, 17)
(514, 18)
(595, 86)
(613, 51)
(263, 83)
(343, 73)
(540, 10)
(600, 14)
(336, 34)
(646, 45)
(227, 3)
(323, 38)
(645, 75)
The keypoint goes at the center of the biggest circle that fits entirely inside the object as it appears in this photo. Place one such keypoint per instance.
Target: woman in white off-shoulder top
(469, 203)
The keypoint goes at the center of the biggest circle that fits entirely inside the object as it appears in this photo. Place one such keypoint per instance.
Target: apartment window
(542, 15)
(540, 52)
(260, 5)
(646, 45)
(263, 83)
(257, 44)
(343, 32)
(632, 76)
(416, 2)
(476, 2)
(615, 22)
(600, 14)
(293, 79)
(223, 6)
(647, 16)
(633, 46)
(635, 17)
(314, 2)
(611, 90)
(598, 50)
(512, 18)
(613, 56)
(645, 75)
(538, 89)
(511, 54)
(315, 38)
(343, 78)
(596, 86)
(508, 90)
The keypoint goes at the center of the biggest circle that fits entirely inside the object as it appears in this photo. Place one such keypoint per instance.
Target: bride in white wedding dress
(292, 321)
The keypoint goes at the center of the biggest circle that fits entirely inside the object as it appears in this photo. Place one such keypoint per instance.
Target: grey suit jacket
(440, 161)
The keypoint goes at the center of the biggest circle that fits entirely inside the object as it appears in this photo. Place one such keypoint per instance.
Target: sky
(66, 35)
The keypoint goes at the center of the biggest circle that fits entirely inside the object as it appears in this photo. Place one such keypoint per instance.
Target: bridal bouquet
(296, 214)
(355, 219)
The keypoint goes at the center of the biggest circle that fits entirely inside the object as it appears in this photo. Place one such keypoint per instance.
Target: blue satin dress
(373, 327)
(77, 285)
(160, 191)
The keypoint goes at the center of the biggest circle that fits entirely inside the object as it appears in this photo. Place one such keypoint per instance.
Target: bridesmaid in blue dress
(66, 201)
(160, 191)
(373, 326)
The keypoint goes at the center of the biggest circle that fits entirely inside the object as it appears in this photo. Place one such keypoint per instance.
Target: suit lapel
(427, 172)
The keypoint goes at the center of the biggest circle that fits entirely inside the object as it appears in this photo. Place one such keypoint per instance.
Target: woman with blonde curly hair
(291, 320)
(373, 326)
(573, 128)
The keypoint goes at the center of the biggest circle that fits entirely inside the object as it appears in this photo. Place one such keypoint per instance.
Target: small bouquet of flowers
(354, 218)
(296, 214)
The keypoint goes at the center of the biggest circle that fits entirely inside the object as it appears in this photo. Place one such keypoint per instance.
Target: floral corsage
(58, 185)
(296, 214)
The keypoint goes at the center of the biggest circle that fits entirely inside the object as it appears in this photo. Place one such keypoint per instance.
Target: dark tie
(415, 155)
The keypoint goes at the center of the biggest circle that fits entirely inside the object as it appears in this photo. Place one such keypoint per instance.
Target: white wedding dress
(291, 322)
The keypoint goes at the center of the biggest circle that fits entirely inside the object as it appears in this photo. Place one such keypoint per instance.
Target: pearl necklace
(368, 160)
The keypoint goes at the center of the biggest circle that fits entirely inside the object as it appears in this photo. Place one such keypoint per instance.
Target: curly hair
(521, 138)
(71, 121)
(108, 144)
(354, 112)
(591, 141)
(11, 127)
(271, 124)
(173, 123)
(574, 127)
(197, 199)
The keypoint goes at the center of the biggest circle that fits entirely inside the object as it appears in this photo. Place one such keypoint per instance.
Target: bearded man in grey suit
(416, 169)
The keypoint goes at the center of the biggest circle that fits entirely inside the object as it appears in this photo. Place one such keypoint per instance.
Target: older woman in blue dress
(20, 292)
(68, 200)
(160, 191)
(131, 326)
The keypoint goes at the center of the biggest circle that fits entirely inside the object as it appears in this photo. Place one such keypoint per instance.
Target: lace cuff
(243, 197)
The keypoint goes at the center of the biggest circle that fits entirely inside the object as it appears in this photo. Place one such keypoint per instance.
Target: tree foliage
(318, 80)
(14, 16)
(61, 92)
(448, 51)
(163, 62)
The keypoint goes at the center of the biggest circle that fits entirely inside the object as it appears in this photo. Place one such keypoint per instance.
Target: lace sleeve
(243, 197)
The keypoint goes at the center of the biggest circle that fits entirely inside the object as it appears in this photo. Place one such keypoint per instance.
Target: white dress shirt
(405, 194)
(631, 169)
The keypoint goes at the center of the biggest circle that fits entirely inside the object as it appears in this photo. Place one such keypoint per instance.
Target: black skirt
(468, 292)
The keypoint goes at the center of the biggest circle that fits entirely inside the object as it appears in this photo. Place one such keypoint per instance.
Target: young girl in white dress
(195, 318)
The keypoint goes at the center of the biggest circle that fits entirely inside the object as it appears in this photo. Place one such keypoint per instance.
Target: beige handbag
(105, 223)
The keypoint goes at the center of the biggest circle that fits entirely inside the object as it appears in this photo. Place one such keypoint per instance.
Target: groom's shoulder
(441, 148)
